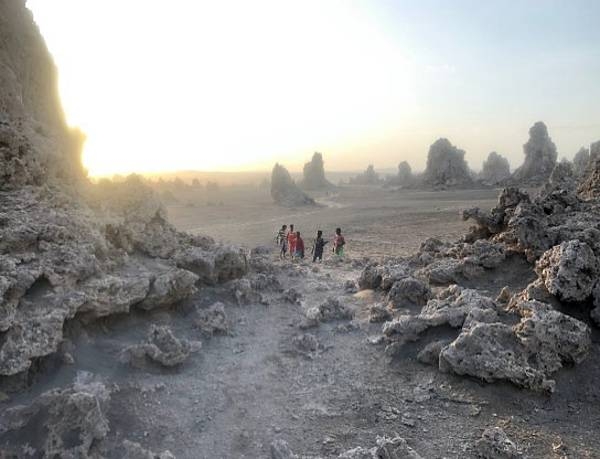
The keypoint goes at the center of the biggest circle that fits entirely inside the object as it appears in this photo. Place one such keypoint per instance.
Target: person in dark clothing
(318, 246)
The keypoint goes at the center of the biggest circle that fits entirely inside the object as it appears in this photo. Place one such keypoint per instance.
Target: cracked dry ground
(323, 394)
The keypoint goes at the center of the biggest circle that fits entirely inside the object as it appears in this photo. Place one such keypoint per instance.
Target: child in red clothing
(299, 246)
(291, 238)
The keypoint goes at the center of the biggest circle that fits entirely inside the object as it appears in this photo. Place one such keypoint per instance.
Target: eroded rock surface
(589, 186)
(540, 157)
(446, 166)
(314, 174)
(70, 249)
(569, 270)
(161, 347)
(284, 190)
(65, 423)
(133, 450)
(580, 161)
(495, 444)
(526, 354)
(495, 169)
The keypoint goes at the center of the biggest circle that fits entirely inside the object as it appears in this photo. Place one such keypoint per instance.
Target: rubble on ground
(306, 344)
(66, 423)
(379, 313)
(495, 444)
(386, 447)
(212, 320)
(161, 347)
(133, 450)
(523, 336)
(330, 309)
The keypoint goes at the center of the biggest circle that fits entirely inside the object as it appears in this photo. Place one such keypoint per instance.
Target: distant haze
(237, 85)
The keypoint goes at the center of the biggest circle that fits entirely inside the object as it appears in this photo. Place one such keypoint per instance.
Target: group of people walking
(290, 240)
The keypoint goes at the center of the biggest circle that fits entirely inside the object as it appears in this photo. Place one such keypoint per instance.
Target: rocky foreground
(522, 336)
(517, 301)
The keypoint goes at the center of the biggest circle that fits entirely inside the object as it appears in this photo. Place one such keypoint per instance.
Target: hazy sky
(222, 85)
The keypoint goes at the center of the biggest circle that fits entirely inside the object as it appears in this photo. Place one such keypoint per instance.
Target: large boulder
(526, 354)
(540, 157)
(284, 190)
(314, 174)
(569, 270)
(495, 170)
(451, 308)
(446, 166)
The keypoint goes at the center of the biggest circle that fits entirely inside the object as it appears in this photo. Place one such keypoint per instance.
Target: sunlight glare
(220, 85)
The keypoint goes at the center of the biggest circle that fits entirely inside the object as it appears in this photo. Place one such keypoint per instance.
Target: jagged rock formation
(589, 185)
(580, 161)
(69, 249)
(540, 157)
(495, 170)
(314, 174)
(446, 166)
(36, 146)
(74, 419)
(524, 337)
(284, 191)
(368, 177)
